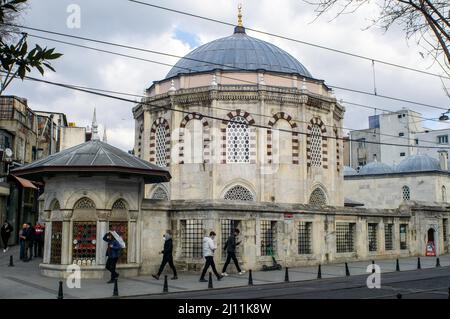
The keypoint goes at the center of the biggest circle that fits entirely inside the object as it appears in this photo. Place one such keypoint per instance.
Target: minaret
(105, 138)
(95, 127)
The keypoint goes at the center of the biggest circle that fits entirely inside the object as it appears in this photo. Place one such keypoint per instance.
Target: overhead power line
(290, 39)
(86, 90)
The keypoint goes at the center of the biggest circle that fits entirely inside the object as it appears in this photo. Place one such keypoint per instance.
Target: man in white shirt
(208, 252)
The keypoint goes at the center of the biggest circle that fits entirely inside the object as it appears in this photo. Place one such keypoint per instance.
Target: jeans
(209, 262)
(22, 249)
(111, 266)
(167, 259)
(231, 255)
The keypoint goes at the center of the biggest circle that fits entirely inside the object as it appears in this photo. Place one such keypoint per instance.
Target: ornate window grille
(345, 234)
(84, 203)
(56, 206)
(239, 192)
(388, 236)
(119, 204)
(316, 146)
(406, 193)
(121, 227)
(444, 194)
(403, 236)
(238, 141)
(268, 238)
(372, 232)
(192, 238)
(227, 229)
(161, 146)
(318, 197)
(160, 193)
(55, 249)
(84, 243)
(304, 237)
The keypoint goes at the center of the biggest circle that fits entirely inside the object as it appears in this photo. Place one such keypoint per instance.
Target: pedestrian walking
(230, 248)
(115, 244)
(22, 234)
(167, 256)
(29, 239)
(38, 242)
(208, 252)
(6, 231)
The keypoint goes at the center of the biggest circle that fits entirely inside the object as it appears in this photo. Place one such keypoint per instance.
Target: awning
(24, 182)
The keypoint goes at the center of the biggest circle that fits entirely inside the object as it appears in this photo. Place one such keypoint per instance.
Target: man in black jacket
(6, 231)
(167, 256)
(230, 247)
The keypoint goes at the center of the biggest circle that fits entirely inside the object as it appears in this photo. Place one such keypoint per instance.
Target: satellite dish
(8, 152)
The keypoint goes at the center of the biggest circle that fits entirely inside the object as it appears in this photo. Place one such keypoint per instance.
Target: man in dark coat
(6, 231)
(113, 253)
(29, 239)
(167, 256)
(230, 247)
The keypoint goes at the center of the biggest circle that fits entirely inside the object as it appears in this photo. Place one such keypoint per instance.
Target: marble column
(45, 215)
(66, 237)
(102, 228)
(132, 237)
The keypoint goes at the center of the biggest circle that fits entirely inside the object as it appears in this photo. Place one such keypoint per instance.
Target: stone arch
(75, 196)
(120, 204)
(161, 193)
(129, 200)
(206, 136)
(295, 140)
(316, 121)
(153, 140)
(238, 188)
(318, 196)
(55, 205)
(252, 135)
(84, 203)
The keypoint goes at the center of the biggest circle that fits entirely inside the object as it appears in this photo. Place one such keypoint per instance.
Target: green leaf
(49, 66)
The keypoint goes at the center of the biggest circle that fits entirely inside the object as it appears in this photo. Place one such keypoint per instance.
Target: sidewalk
(25, 281)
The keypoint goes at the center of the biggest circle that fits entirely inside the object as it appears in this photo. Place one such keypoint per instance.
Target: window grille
(444, 229)
(403, 236)
(317, 197)
(316, 146)
(161, 146)
(55, 249)
(84, 243)
(227, 229)
(304, 237)
(345, 234)
(238, 141)
(119, 204)
(192, 238)
(268, 238)
(406, 193)
(239, 192)
(388, 236)
(160, 193)
(121, 227)
(84, 203)
(372, 232)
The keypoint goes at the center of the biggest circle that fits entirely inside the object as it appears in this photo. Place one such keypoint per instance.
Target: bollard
(438, 262)
(373, 266)
(286, 275)
(166, 286)
(347, 272)
(399, 296)
(116, 289)
(60, 290)
(418, 263)
(397, 266)
(319, 272)
(11, 264)
(250, 278)
(210, 284)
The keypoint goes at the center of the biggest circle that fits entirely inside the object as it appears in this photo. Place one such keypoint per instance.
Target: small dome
(418, 163)
(349, 171)
(375, 168)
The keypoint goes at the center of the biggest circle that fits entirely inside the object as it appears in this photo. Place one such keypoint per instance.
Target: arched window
(316, 146)
(119, 204)
(84, 203)
(193, 142)
(282, 143)
(239, 192)
(238, 141)
(55, 205)
(161, 146)
(160, 193)
(444, 194)
(318, 197)
(406, 193)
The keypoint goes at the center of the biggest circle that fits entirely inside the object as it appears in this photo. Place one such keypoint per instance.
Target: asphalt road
(431, 283)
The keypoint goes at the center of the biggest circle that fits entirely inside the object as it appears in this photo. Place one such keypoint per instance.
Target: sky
(125, 22)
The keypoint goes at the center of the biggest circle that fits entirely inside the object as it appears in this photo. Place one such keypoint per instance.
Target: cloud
(128, 23)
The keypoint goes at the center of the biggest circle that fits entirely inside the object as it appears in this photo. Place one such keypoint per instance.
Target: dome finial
(240, 26)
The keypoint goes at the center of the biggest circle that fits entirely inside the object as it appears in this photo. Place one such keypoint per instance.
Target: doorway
(431, 235)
